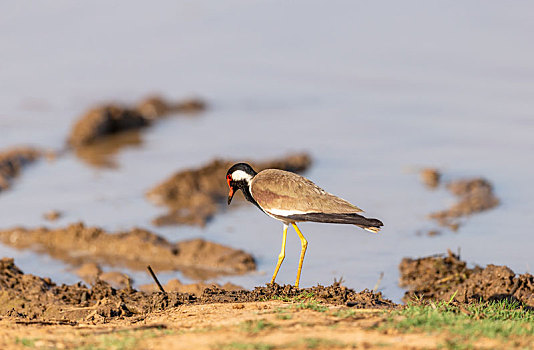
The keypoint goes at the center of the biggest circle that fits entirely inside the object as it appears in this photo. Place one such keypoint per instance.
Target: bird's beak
(231, 193)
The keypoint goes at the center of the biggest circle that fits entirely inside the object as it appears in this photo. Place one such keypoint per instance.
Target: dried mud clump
(155, 107)
(91, 273)
(474, 196)
(175, 285)
(34, 298)
(102, 121)
(135, 249)
(12, 161)
(439, 277)
(430, 177)
(193, 196)
(107, 120)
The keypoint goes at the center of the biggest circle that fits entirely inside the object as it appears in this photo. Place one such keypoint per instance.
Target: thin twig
(155, 279)
(378, 282)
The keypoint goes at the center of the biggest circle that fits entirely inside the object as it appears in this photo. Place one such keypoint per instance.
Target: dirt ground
(271, 324)
(35, 312)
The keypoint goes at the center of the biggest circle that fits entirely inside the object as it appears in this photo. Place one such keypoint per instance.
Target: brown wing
(282, 190)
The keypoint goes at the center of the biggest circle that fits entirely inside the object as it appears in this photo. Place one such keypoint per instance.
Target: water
(371, 89)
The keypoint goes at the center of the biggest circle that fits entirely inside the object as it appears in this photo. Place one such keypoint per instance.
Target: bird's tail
(371, 225)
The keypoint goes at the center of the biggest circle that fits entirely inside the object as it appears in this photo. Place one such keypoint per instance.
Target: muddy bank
(441, 277)
(135, 249)
(31, 297)
(106, 120)
(13, 160)
(193, 196)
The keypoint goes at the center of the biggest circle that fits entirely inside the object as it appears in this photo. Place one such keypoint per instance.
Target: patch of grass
(344, 313)
(283, 313)
(256, 326)
(284, 316)
(312, 305)
(321, 343)
(501, 319)
(244, 346)
(300, 297)
(120, 340)
(27, 342)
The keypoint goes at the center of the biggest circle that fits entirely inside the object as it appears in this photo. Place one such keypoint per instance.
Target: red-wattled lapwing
(291, 198)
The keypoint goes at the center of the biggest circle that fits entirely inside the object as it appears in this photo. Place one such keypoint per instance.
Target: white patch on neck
(239, 175)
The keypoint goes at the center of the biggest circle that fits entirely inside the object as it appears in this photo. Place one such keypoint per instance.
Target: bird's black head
(239, 177)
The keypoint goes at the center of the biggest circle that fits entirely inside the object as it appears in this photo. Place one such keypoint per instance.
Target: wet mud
(193, 196)
(474, 195)
(35, 298)
(13, 160)
(135, 249)
(103, 121)
(448, 277)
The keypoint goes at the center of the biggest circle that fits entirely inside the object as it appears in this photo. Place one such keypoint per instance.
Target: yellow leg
(304, 245)
(282, 253)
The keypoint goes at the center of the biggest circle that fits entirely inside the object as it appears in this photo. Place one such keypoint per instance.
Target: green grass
(320, 343)
(344, 313)
(244, 346)
(256, 326)
(302, 296)
(311, 305)
(27, 342)
(120, 340)
(498, 320)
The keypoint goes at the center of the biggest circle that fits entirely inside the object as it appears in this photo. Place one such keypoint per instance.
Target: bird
(291, 198)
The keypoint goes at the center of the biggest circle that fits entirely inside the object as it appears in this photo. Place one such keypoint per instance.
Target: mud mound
(474, 196)
(91, 273)
(13, 160)
(334, 294)
(155, 107)
(103, 121)
(440, 277)
(32, 297)
(135, 249)
(106, 120)
(430, 177)
(175, 285)
(195, 195)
